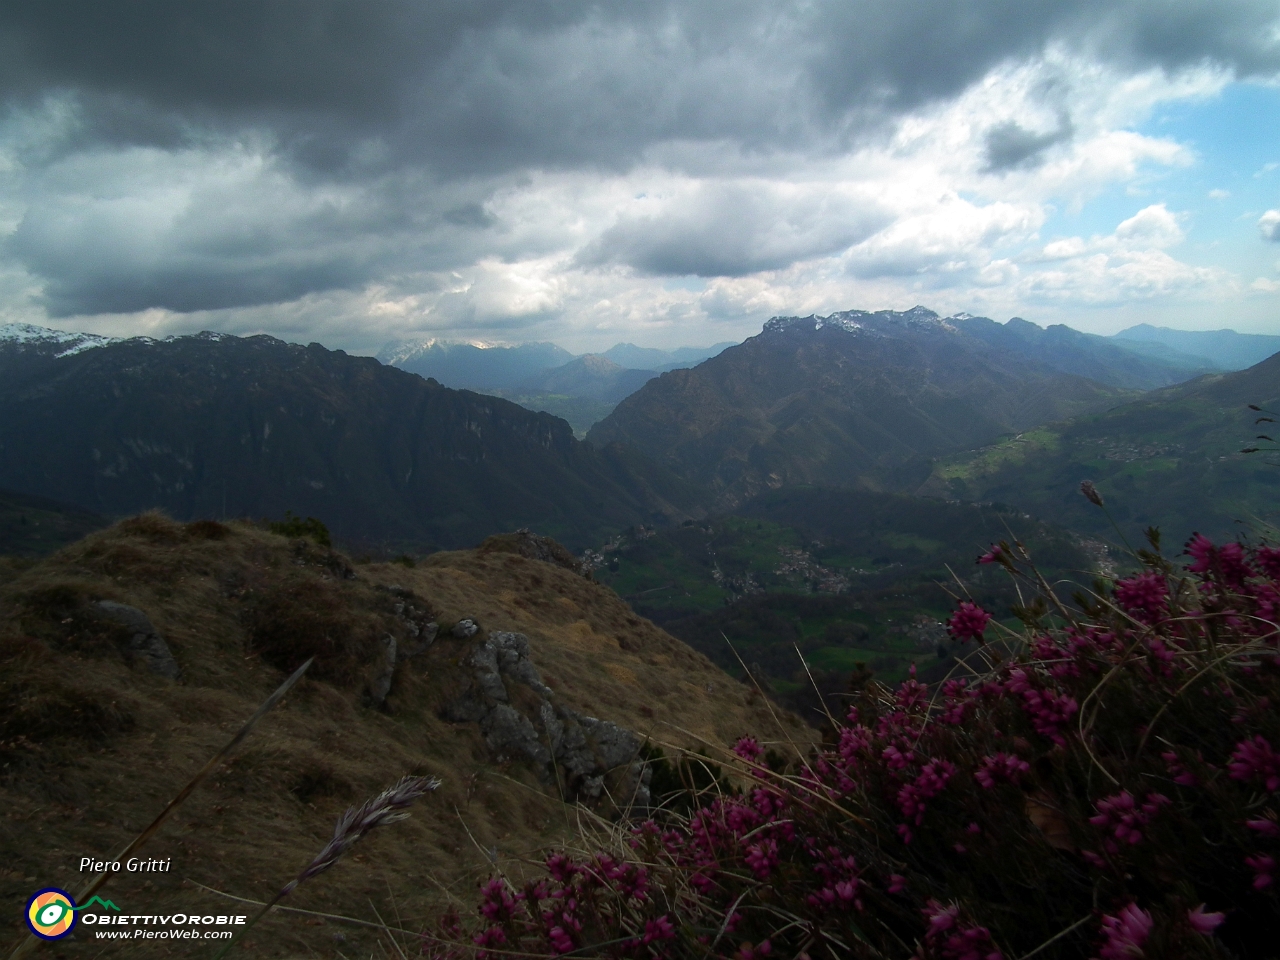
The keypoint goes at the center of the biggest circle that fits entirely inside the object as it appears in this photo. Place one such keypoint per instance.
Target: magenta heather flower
(492, 937)
(1267, 828)
(1205, 923)
(993, 555)
(951, 941)
(659, 929)
(1232, 565)
(1000, 768)
(969, 620)
(913, 797)
(1124, 817)
(1048, 709)
(1256, 760)
(1143, 595)
(1126, 933)
(1201, 550)
(941, 918)
(1262, 867)
(1177, 770)
(1227, 561)
(1268, 559)
(854, 741)
(496, 902)
(896, 759)
(748, 748)
(762, 858)
(840, 882)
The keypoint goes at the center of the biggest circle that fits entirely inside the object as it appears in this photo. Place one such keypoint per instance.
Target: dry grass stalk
(387, 807)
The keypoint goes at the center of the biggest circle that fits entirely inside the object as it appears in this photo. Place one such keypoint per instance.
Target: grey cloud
(731, 231)
(413, 102)
(1010, 145)
(469, 85)
(137, 241)
(470, 215)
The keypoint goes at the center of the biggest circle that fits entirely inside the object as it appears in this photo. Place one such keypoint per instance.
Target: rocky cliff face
(854, 399)
(214, 426)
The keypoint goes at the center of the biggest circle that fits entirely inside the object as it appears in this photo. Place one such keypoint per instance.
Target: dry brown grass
(93, 747)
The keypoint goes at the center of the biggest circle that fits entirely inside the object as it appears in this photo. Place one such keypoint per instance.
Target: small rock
(144, 641)
(464, 629)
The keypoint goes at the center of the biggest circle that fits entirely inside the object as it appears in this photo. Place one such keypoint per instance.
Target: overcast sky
(657, 172)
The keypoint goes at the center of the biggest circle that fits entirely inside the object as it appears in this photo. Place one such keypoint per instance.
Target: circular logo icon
(51, 913)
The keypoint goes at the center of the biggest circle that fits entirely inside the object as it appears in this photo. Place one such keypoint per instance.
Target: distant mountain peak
(854, 321)
(44, 336)
(397, 351)
(598, 363)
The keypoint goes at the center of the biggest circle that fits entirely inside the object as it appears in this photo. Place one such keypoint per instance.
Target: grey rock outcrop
(589, 754)
(414, 615)
(144, 640)
(417, 622)
(465, 628)
(384, 673)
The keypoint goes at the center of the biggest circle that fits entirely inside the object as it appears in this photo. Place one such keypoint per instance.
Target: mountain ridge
(220, 426)
(1226, 348)
(852, 399)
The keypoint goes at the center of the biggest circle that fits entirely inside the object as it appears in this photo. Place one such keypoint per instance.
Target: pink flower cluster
(1227, 562)
(926, 794)
(1000, 768)
(841, 882)
(951, 941)
(968, 622)
(1254, 759)
(1145, 596)
(1124, 817)
(1263, 867)
(914, 796)
(1048, 709)
(1126, 932)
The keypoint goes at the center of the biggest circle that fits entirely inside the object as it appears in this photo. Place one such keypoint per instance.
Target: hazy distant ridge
(1225, 349)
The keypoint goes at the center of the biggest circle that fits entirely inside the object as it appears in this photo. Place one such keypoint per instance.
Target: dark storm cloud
(409, 102)
(493, 84)
(1011, 145)
(731, 231)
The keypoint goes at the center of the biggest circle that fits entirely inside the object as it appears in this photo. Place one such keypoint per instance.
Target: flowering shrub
(1103, 784)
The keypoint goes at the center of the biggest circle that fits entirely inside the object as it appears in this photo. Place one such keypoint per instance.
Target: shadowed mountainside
(32, 526)
(217, 426)
(592, 376)
(854, 399)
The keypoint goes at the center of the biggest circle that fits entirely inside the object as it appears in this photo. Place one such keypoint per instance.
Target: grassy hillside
(93, 745)
(1171, 459)
(845, 576)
